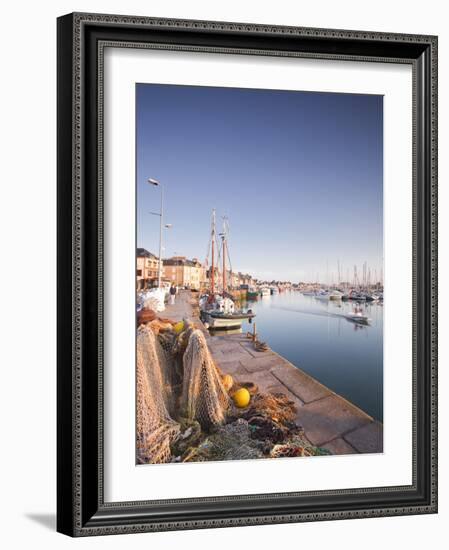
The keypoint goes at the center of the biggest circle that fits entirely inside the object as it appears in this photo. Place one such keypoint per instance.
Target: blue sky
(298, 174)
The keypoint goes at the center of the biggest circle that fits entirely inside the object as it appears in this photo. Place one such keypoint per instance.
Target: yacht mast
(224, 255)
(212, 276)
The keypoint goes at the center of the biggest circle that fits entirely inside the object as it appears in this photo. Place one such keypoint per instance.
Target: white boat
(219, 312)
(322, 295)
(265, 291)
(335, 295)
(357, 316)
(329, 295)
(274, 290)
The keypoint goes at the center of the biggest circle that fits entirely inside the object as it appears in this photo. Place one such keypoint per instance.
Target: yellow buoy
(241, 398)
(228, 382)
(179, 327)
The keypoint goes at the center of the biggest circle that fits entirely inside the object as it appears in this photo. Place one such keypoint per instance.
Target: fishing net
(229, 442)
(155, 426)
(176, 376)
(204, 397)
(184, 412)
(297, 446)
(276, 406)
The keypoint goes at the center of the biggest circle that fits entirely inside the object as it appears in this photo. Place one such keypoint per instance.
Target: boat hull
(224, 321)
(360, 319)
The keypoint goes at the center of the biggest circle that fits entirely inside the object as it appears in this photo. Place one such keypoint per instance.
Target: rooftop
(180, 261)
(143, 253)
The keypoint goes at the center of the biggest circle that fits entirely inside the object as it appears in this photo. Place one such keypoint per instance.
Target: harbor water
(315, 336)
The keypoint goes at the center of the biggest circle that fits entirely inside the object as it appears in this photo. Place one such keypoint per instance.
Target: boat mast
(212, 276)
(224, 256)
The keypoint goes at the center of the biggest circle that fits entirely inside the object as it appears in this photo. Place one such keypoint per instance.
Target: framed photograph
(247, 279)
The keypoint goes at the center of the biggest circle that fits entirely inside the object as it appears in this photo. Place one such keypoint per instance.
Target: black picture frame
(81, 510)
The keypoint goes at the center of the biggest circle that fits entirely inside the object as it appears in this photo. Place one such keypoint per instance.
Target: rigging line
(229, 259)
(226, 236)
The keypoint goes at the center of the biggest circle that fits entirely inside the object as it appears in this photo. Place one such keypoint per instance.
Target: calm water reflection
(346, 357)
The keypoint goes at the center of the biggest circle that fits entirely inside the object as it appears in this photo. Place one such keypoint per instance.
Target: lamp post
(156, 183)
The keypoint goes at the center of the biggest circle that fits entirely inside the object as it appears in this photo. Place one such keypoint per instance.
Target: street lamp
(156, 183)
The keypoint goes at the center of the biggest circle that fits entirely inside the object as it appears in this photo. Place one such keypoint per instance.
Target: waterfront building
(233, 279)
(183, 272)
(246, 279)
(146, 269)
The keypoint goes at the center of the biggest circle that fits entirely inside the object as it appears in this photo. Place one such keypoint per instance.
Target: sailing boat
(218, 310)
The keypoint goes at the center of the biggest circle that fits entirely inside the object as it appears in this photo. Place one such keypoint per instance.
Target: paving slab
(264, 380)
(236, 356)
(253, 364)
(339, 447)
(239, 337)
(232, 367)
(250, 349)
(222, 345)
(217, 355)
(367, 439)
(301, 384)
(329, 418)
(182, 308)
(248, 344)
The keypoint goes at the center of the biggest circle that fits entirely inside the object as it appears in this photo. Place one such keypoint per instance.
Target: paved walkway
(328, 420)
(182, 309)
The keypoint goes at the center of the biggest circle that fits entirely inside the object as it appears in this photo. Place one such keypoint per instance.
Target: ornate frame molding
(81, 511)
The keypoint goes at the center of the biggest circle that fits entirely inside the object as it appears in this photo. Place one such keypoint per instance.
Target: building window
(139, 273)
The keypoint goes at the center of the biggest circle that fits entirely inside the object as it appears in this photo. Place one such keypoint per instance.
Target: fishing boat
(217, 310)
(252, 294)
(220, 312)
(265, 292)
